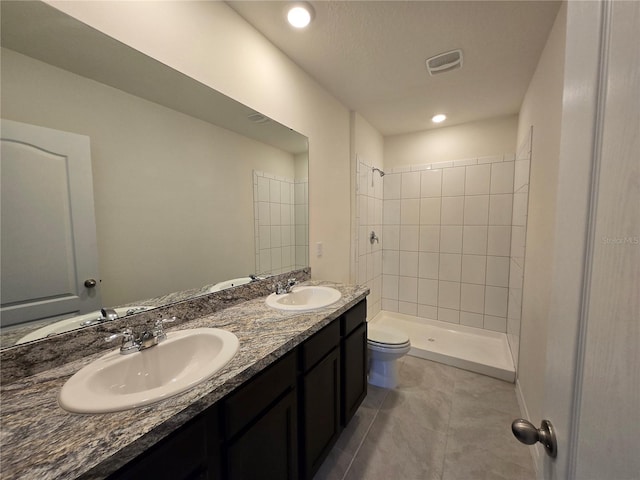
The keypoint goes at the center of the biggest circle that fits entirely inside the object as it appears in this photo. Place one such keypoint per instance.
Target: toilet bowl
(386, 345)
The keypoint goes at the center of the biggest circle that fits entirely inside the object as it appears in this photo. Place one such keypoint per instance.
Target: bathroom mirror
(175, 164)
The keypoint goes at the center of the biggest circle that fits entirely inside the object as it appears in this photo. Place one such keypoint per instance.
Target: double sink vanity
(250, 386)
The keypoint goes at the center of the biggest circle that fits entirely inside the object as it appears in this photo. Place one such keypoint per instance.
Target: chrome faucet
(132, 343)
(282, 289)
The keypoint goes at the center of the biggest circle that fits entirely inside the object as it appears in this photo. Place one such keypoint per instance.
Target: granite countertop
(38, 439)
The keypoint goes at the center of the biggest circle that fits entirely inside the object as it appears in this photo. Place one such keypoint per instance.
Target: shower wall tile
(410, 185)
(408, 289)
(520, 208)
(476, 210)
(453, 182)
(427, 311)
(408, 264)
(521, 176)
(448, 315)
(390, 262)
(427, 292)
(431, 183)
(429, 238)
(499, 240)
(502, 177)
(472, 298)
(452, 210)
(471, 319)
(391, 212)
(474, 268)
(428, 265)
(450, 267)
(391, 237)
(451, 239)
(449, 295)
(475, 240)
(495, 301)
(500, 209)
(478, 180)
(498, 271)
(391, 187)
(369, 215)
(408, 308)
(490, 159)
(448, 239)
(390, 286)
(410, 211)
(497, 324)
(429, 211)
(409, 237)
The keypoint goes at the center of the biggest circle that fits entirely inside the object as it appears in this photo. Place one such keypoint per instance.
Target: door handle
(90, 283)
(528, 434)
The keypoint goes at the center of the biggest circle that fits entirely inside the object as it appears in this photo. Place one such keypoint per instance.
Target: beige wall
(173, 194)
(211, 43)
(470, 140)
(542, 108)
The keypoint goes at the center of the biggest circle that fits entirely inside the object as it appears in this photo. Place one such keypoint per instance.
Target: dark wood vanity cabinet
(279, 425)
(319, 397)
(190, 453)
(261, 425)
(354, 360)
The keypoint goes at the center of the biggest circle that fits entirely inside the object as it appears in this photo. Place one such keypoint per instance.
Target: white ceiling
(371, 55)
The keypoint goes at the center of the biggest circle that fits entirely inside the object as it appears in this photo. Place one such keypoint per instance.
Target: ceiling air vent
(444, 62)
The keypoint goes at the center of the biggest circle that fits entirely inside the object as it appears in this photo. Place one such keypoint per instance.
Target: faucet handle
(128, 341)
(126, 334)
(158, 329)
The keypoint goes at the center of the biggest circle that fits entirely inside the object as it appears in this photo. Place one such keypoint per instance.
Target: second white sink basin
(304, 298)
(117, 382)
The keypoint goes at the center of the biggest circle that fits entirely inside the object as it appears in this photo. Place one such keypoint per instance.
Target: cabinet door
(268, 449)
(321, 411)
(181, 456)
(354, 372)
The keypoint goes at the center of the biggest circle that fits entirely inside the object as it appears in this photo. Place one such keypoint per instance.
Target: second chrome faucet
(132, 342)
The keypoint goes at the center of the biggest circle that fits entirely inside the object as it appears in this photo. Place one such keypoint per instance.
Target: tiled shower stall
(451, 240)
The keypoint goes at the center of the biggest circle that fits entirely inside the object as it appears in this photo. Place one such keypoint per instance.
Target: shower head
(375, 169)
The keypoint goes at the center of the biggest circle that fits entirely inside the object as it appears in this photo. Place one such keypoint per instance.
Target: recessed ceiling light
(300, 14)
(439, 118)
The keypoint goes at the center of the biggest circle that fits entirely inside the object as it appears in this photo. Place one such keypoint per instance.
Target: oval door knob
(528, 434)
(90, 283)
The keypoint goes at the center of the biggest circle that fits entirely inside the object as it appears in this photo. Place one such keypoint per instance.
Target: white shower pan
(469, 348)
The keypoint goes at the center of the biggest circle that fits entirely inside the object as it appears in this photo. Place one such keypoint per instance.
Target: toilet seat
(386, 337)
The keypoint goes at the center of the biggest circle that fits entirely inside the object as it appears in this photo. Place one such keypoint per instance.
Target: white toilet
(386, 345)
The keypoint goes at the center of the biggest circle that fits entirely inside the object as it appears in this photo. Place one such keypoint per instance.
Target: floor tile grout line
(446, 444)
(364, 437)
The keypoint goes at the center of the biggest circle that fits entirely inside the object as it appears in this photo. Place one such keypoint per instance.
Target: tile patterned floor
(441, 423)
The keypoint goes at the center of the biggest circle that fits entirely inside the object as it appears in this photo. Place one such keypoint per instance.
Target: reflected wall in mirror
(172, 160)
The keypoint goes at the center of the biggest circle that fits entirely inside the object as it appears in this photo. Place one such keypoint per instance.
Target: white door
(592, 382)
(49, 256)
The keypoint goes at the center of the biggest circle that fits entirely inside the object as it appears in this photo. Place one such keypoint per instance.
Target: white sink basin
(73, 323)
(230, 283)
(117, 382)
(304, 298)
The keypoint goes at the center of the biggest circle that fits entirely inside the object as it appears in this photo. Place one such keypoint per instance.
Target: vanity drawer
(259, 393)
(353, 317)
(320, 344)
